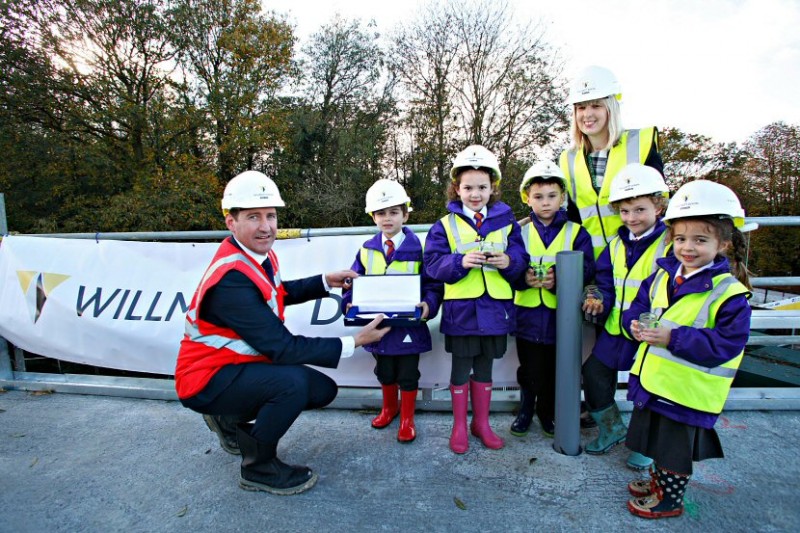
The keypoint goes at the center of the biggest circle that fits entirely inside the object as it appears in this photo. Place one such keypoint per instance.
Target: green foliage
(764, 173)
(339, 128)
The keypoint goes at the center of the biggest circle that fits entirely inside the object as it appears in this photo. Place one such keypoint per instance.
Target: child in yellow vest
(477, 251)
(639, 194)
(686, 361)
(396, 250)
(546, 233)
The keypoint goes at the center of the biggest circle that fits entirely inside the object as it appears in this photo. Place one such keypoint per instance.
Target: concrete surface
(87, 463)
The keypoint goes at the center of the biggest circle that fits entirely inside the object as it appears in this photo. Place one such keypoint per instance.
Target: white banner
(121, 304)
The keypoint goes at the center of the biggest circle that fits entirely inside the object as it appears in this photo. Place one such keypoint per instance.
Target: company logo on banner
(129, 304)
(36, 293)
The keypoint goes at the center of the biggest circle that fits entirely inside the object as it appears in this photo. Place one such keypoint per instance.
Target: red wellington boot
(408, 402)
(390, 407)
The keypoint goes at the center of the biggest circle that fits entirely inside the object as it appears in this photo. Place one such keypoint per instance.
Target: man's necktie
(478, 220)
(267, 266)
(389, 249)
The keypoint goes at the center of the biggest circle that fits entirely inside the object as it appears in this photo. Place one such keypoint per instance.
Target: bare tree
(470, 74)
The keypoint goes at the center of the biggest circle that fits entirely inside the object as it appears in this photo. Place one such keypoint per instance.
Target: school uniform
(674, 434)
(483, 315)
(535, 327)
(613, 351)
(402, 345)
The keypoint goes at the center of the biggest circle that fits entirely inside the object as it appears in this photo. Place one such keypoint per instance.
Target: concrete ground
(90, 463)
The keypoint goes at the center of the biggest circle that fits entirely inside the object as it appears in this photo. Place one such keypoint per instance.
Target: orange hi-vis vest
(206, 347)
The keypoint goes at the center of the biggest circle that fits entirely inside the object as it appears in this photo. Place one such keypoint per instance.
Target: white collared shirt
(679, 272)
(634, 238)
(471, 214)
(397, 240)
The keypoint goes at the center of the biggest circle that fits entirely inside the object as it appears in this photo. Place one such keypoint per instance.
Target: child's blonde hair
(659, 201)
(579, 140)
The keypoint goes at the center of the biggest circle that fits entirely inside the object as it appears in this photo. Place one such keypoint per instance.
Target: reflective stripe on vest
(564, 241)
(375, 264)
(596, 213)
(671, 377)
(463, 238)
(627, 282)
(234, 344)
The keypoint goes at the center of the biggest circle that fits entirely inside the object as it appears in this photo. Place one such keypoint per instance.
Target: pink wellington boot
(481, 398)
(459, 440)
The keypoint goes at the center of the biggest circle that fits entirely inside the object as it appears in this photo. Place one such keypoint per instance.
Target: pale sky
(721, 68)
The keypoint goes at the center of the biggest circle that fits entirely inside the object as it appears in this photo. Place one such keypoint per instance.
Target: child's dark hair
(403, 207)
(452, 187)
(736, 252)
(547, 180)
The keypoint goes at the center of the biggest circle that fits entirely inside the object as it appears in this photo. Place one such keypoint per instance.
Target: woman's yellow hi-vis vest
(627, 282)
(676, 379)
(596, 214)
(463, 238)
(375, 264)
(564, 241)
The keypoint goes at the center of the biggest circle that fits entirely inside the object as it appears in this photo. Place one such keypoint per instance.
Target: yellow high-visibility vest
(375, 264)
(627, 282)
(596, 214)
(463, 238)
(674, 378)
(564, 241)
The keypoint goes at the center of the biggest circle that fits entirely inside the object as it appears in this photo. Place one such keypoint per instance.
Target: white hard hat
(386, 193)
(705, 198)
(637, 180)
(540, 169)
(250, 189)
(593, 83)
(476, 156)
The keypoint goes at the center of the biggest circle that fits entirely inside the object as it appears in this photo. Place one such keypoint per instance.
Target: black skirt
(672, 445)
(493, 346)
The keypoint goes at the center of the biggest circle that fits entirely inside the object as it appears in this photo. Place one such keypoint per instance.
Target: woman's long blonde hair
(581, 141)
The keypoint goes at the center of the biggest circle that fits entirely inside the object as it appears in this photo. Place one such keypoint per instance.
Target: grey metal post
(569, 287)
(5, 360)
(3, 221)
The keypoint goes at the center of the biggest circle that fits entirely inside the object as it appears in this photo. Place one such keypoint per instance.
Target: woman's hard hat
(386, 193)
(705, 198)
(249, 190)
(476, 156)
(593, 83)
(540, 169)
(635, 180)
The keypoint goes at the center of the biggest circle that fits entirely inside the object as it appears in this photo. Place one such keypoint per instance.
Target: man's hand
(370, 333)
(341, 278)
